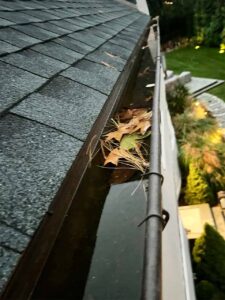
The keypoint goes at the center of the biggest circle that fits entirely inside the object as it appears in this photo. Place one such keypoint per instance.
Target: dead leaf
(108, 65)
(128, 114)
(117, 135)
(144, 72)
(110, 54)
(147, 99)
(114, 157)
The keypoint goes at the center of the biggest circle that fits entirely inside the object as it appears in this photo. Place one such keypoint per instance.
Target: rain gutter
(156, 217)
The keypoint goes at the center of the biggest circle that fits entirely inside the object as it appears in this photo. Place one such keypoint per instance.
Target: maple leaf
(141, 122)
(129, 141)
(114, 157)
(117, 135)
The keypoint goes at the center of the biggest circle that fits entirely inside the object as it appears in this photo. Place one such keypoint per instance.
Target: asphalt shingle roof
(59, 61)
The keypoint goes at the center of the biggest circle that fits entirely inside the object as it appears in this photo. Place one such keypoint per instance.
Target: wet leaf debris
(125, 144)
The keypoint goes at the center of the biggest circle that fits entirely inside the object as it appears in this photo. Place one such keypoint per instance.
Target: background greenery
(204, 62)
(204, 19)
(209, 264)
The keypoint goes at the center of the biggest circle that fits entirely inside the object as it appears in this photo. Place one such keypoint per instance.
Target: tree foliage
(209, 17)
(209, 257)
(197, 190)
(205, 290)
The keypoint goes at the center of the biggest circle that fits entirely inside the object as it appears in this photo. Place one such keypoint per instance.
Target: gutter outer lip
(152, 269)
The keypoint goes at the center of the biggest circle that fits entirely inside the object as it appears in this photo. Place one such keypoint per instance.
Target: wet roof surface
(59, 61)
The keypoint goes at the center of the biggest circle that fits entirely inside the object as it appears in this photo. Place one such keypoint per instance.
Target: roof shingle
(59, 62)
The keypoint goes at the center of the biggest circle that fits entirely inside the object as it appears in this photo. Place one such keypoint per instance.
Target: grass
(204, 62)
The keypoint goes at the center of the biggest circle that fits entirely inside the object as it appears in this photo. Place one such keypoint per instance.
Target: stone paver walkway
(198, 85)
(215, 106)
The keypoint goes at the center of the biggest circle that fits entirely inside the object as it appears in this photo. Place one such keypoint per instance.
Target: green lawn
(204, 62)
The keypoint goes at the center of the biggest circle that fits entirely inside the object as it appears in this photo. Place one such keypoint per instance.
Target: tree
(209, 21)
(209, 257)
(154, 7)
(196, 191)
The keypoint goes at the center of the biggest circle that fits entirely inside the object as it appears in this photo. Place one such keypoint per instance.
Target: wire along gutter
(156, 217)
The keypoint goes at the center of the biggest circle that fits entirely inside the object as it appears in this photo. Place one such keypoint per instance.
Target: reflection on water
(116, 268)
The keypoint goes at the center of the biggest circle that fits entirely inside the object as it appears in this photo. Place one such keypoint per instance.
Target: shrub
(197, 190)
(209, 257)
(176, 99)
(201, 143)
(205, 290)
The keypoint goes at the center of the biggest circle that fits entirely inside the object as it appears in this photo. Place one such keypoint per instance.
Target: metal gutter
(152, 273)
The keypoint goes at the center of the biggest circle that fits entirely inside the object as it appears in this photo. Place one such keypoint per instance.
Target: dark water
(116, 268)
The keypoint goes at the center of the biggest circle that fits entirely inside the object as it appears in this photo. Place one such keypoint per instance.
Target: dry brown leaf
(117, 135)
(140, 121)
(130, 113)
(143, 126)
(114, 157)
(144, 72)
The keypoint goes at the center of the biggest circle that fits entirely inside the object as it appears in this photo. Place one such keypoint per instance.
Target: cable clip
(155, 173)
(164, 218)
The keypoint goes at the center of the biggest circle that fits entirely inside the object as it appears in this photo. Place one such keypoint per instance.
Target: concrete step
(219, 218)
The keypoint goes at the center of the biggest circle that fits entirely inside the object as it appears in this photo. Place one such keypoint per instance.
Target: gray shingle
(16, 38)
(35, 62)
(67, 25)
(4, 22)
(87, 38)
(61, 13)
(15, 84)
(12, 238)
(99, 33)
(8, 260)
(99, 69)
(59, 52)
(102, 57)
(123, 43)
(116, 50)
(65, 105)
(79, 22)
(43, 15)
(36, 32)
(90, 79)
(7, 48)
(4, 8)
(34, 161)
(51, 27)
(74, 45)
(18, 17)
